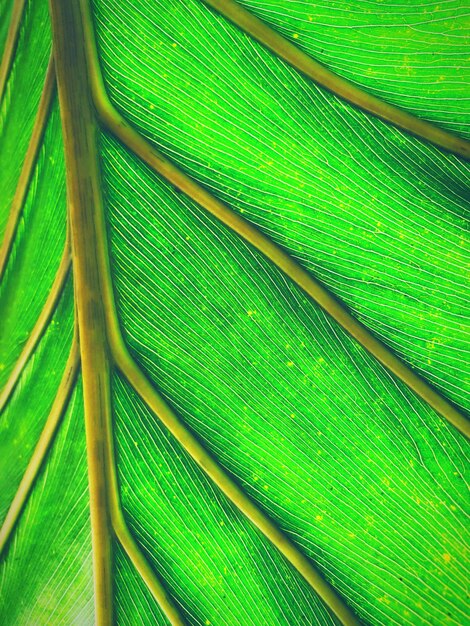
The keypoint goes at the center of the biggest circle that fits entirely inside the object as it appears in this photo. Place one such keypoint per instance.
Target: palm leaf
(262, 269)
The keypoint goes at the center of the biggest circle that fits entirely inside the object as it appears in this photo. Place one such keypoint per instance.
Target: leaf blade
(337, 173)
(234, 347)
(208, 381)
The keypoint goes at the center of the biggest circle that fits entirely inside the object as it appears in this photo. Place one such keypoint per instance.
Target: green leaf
(259, 355)
(410, 54)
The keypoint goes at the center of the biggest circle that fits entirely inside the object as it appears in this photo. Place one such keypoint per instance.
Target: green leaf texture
(363, 476)
(409, 53)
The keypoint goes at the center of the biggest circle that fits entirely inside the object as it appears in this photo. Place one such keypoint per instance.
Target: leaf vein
(341, 87)
(28, 165)
(43, 445)
(39, 328)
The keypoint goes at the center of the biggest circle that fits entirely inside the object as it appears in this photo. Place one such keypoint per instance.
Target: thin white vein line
(29, 162)
(40, 326)
(11, 42)
(43, 445)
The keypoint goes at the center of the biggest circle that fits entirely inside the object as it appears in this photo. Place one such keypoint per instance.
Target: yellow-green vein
(119, 126)
(28, 165)
(43, 445)
(341, 87)
(47, 311)
(10, 43)
(85, 203)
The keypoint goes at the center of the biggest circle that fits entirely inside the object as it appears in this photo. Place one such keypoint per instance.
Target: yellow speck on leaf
(447, 558)
(384, 599)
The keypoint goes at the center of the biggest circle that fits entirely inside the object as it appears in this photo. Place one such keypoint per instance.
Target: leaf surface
(376, 214)
(409, 53)
(246, 433)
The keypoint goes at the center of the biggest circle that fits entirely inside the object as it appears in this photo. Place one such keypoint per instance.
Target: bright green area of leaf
(412, 54)
(378, 216)
(134, 603)
(221, 570)
(23, 419)
(37, 249)
(47, 577)
(22, 93)
(363, 476)
(339, 453)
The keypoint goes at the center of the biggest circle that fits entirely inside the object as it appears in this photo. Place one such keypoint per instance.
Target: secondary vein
(341, 87)
(229, 487)
(127, 541)
(11, 42)
(164, 167)
(291, 268)
(43, 445)
(28, 165)
(39, 328)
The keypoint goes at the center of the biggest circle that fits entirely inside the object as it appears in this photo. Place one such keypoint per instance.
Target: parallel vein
(116, 123)
(282, 47)
(28, 165)
(43, 445)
